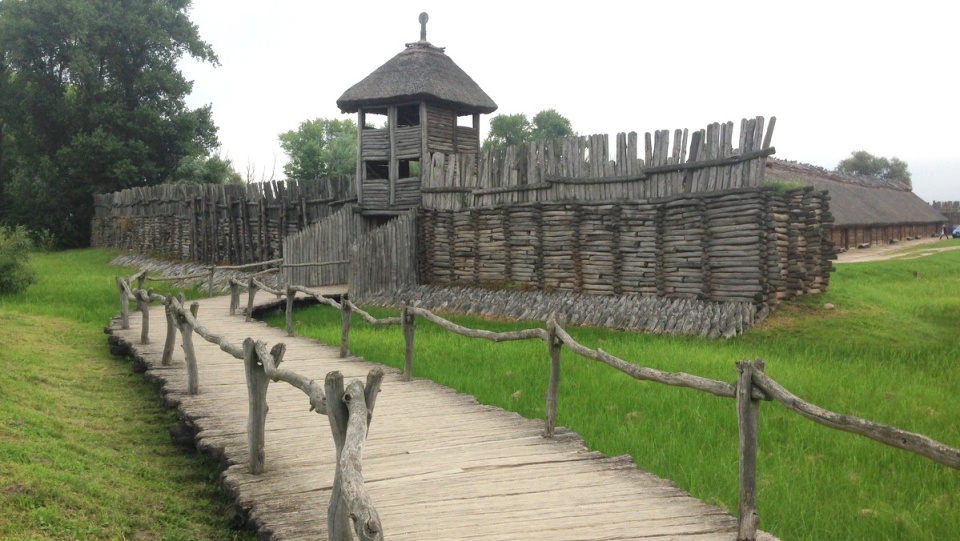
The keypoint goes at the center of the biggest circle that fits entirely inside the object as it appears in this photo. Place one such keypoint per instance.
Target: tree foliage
(16, 274)
(320, 148)
(91, 101)
(862, 162)
(212, 169)
(511, 130)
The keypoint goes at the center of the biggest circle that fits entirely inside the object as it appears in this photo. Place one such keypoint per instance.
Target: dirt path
(890, 251)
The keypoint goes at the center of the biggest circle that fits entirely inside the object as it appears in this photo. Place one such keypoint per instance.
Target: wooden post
(748, 415)
(171, 332)
(143, 304)
(251, 293)
(338, 517)
(345, 312)
(350, 421)
(408, 325)
(124, 305)
(186, 338)
(141, 279)
(257, 383)
(290, 295)
(553, 348)
(213, 269)
(234, 297)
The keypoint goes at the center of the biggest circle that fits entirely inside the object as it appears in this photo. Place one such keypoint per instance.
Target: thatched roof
(859, 200)
(420, 72)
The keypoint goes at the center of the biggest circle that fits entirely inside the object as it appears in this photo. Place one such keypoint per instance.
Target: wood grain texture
(437, 464)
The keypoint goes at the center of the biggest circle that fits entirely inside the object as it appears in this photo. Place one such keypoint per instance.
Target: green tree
(91, 101)
(213, 169)
(511, 130)
(16, 274)
(320, 148)
(862, 162)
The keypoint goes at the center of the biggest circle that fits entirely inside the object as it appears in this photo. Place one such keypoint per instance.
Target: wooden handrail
(349, 419)
(751, 387)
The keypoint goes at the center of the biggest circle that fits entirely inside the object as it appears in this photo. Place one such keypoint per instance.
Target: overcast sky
(839, 76)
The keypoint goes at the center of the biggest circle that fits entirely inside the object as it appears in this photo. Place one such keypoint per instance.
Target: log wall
(215, 223)
(849, 237)
(752, 245)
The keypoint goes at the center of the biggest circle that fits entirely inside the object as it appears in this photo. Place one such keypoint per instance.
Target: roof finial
(423, 25)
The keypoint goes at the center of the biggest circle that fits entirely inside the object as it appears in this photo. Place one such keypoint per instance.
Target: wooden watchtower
(423, 96)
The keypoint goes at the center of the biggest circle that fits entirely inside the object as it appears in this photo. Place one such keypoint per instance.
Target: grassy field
(84, 449)
(888, 351)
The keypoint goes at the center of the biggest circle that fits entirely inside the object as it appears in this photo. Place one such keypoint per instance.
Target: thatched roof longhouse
(859, 200)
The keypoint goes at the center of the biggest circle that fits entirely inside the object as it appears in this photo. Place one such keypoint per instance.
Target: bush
(16, 274)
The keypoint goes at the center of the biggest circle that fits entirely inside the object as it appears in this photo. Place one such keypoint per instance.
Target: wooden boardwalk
(437, 464)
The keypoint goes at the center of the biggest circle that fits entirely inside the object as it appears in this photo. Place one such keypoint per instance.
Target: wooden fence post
(213, 269)
(124, 305)
(349, 421)
(408, 325)
(251, 293)
(338, 516)
(186, 339)
(748, 416)
(143, 304)
(553, 347)
(345, 312)
(234, 296)
(290, 295)
(171, 332)
(257, 383)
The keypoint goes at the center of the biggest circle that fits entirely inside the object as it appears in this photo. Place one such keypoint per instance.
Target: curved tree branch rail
(751, 387)
(349, 411)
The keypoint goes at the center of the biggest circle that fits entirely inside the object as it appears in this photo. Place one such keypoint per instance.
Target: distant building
(866, 210)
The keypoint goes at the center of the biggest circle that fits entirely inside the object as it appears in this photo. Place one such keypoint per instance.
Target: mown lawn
(84, 447)
(889, 351)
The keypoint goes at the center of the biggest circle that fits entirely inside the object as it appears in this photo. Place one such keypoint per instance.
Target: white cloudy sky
(838, 75)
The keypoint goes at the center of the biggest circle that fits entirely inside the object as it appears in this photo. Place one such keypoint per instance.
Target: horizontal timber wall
(215, 223)
(750, 245)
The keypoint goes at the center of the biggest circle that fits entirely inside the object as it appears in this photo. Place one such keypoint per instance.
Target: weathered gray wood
(234, 295)
(171, 337)
(338, 514)
(289, 311)
(748, 418)
(526, 334)
(554, 345)
(143, 305)
(189, 354)
(345, 312)
(408, 325)
(213, 271)
(124, 303)
(350, 466)
(251, 294)
(257, 383)
(894, 437)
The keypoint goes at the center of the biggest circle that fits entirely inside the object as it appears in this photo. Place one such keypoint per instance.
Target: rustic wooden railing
(349, 408)
(212, 270)
(750, 388)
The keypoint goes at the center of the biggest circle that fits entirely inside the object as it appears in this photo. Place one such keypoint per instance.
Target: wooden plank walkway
(437, 464)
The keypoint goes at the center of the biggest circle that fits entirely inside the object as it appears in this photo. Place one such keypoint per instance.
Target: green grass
(888, 351)
(84, 448)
